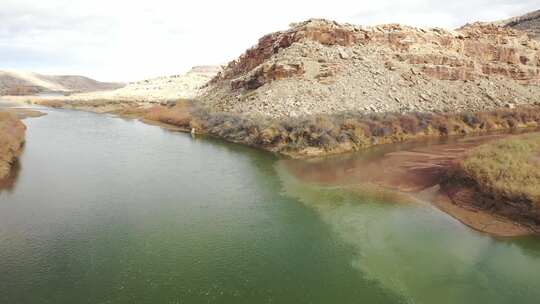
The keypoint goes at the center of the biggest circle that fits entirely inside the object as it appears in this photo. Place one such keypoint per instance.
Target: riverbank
(314, 136)
(12, 132)
(500, 178)
(12, 135)
(310, 136)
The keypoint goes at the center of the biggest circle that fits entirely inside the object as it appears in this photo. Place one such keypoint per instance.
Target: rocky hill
(320, 66)
(183, 86)
(529, 23)
(27, 83)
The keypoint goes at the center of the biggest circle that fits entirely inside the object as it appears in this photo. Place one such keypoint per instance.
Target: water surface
(105, 210)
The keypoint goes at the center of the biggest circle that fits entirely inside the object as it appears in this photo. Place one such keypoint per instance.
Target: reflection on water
(8, 183)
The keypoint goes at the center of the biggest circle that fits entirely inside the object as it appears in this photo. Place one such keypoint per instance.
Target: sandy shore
(479, 219)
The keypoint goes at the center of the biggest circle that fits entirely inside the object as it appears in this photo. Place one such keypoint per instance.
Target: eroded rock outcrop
(325, 33)
(529, 23)
(320, 66)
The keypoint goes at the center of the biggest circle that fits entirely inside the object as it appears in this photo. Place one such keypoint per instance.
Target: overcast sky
(131, 40)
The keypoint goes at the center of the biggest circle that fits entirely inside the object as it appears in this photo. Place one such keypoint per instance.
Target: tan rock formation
(320, 66)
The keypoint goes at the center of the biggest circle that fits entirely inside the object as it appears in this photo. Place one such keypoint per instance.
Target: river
(106, 210)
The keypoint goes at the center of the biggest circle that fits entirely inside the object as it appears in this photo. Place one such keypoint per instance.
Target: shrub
(470, 119)
(327, 131)
(177, 116)
(409, 124)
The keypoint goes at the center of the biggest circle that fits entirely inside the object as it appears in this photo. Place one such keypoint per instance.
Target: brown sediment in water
(422, 172)
(403, 168)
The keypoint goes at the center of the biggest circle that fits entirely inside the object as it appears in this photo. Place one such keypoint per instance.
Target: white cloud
(128, 40)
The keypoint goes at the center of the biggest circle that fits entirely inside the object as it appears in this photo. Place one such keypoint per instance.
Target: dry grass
(343, 132)
(178, 115)
(507, 168)
(50, 103)
(11, 139)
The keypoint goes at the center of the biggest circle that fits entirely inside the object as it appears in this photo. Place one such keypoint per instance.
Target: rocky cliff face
(320, 66)
(12, 132)
(529, 23)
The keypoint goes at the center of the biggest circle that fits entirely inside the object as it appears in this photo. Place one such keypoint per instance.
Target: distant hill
(529, 23)
(28, 83)
(172, 87)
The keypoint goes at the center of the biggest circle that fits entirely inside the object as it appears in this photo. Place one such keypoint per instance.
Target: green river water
(104, 210)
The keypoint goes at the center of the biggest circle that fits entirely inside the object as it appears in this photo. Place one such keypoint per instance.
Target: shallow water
(422, 254)
(105, 210)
